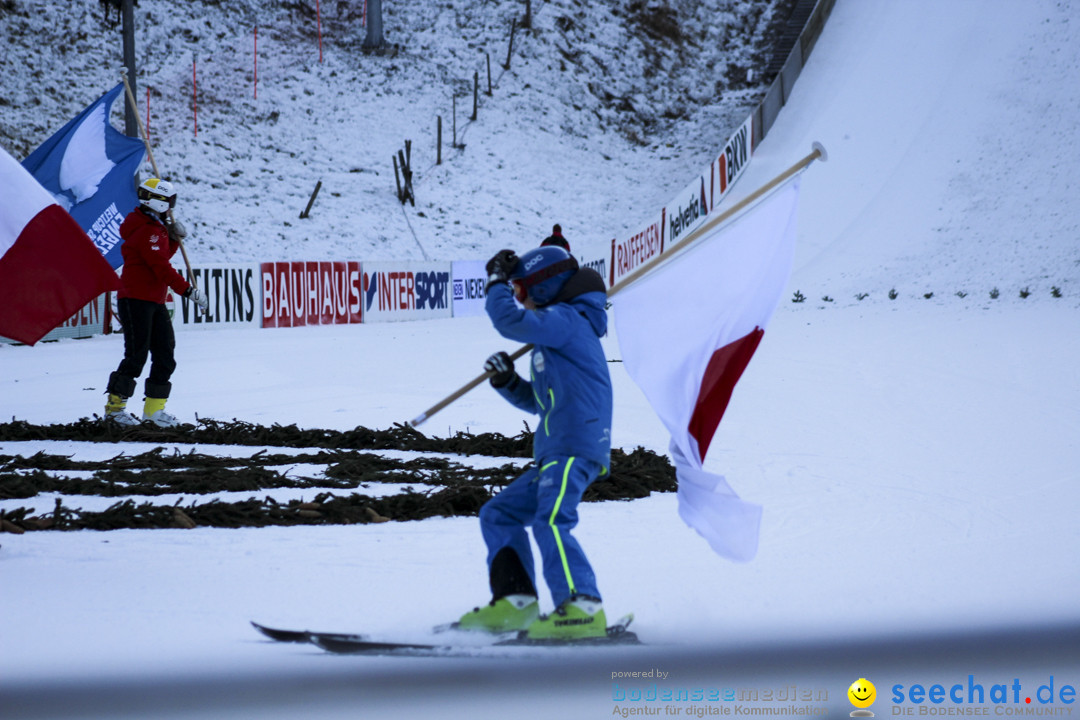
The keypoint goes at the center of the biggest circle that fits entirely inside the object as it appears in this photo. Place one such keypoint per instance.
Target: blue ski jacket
(569, 386)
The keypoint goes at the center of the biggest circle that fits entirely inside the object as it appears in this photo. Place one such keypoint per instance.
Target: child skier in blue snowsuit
(570, 389)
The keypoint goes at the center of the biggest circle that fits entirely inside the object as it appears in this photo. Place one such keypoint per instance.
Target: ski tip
(446, 627)
(297, 636)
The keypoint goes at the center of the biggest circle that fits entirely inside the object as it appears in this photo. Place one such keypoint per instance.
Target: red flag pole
(148, 113)
(818, 152)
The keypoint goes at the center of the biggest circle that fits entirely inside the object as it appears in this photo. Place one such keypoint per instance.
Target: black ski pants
(148, 330)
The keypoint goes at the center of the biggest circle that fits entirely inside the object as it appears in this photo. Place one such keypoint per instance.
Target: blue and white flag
(89, 168)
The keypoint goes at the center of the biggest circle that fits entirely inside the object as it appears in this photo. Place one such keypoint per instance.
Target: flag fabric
(687, 331)
(89, 167)
(48, 266)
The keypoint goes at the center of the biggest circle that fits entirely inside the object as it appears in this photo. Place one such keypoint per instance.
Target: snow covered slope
(606, 109)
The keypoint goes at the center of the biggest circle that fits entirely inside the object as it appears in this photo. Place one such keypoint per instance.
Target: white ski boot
(154, 412)
(116, 411)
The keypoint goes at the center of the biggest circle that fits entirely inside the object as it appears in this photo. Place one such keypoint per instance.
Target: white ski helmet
(157, 195)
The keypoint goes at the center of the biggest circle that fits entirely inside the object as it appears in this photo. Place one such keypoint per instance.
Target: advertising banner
(467, 287)
(689, 209)
(731, 162)
(299, 293)
(595, 258)
(638, 249)
(406, 290)
(232, 291)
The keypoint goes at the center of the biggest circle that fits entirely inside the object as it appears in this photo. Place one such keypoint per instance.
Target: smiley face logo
(862, 693)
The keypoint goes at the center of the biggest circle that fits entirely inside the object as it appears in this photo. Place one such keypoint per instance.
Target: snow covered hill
(595, 93)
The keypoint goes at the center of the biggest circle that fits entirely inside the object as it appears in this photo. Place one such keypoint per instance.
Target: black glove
(503, 367)
(499, 267)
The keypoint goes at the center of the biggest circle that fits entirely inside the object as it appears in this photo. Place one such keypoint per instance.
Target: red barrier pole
(147, 113)
(194, 95)
(318, 23)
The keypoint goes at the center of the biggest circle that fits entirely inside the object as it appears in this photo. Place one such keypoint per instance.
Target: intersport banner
(232, 291)
(299, 293)
(406, 290)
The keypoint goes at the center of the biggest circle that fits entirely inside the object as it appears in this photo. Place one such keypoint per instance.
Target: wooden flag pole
(153, 164)
(817, 152)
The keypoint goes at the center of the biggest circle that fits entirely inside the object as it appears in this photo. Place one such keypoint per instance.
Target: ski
(617, 634)
(300, 636)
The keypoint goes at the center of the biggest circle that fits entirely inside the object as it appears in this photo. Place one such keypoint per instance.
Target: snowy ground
(917, 458)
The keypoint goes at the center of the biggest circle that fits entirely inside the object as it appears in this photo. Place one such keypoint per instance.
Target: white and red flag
(687, 331)
(49, 268)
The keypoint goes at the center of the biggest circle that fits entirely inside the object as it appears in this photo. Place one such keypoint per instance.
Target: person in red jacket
(556, 238)
(151, 237)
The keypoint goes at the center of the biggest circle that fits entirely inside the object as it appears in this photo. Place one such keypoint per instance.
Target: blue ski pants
(545, 497)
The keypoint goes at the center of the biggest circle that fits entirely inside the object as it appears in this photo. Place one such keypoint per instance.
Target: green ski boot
(579, 618)
(513, 612)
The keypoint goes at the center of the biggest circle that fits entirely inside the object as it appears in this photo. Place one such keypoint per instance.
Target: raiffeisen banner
(641, 247)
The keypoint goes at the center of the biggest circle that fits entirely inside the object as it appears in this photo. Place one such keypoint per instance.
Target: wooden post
(438, 140)
(405, 159)
(307, 211)
(488, 56)
(373, 21)
(475, 93)
(509, 50)
(127, 12)
(318, 25)
(397, 179)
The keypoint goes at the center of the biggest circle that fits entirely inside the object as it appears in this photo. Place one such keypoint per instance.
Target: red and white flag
(687, 331)
(49, 268)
